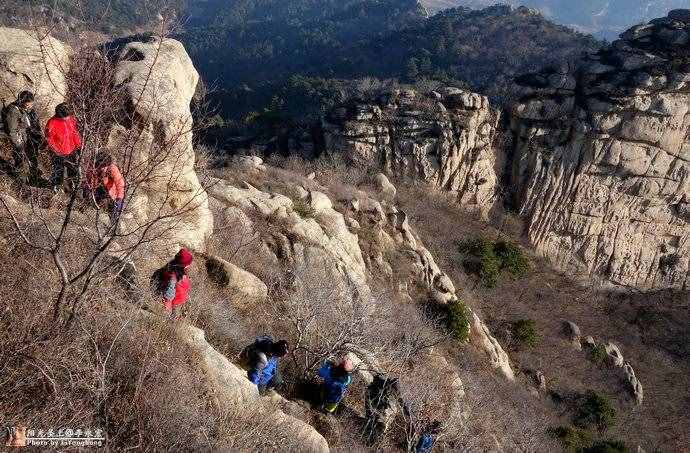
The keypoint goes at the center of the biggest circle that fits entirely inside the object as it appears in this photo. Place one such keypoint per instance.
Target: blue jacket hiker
(261, 360)
(336, 379)
(428, 438)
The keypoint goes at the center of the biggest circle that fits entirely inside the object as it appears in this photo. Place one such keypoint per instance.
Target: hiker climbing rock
(172, 281)
(381, 402)
(336, 379)
(64, 141)
(261, 359)
(105, 185)
(428, 438)
(22, 125)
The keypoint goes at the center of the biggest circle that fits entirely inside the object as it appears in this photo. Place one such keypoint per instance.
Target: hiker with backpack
(261, 359)
(337, 377)
(20, 122)
(428, 438)
(105, 185)
(65, 143)
(381, 403)
(173, 283)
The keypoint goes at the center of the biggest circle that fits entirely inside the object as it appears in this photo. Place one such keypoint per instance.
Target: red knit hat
(184, 258)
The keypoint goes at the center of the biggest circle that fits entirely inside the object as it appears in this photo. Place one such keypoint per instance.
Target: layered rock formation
(601, 159)
(442, 138)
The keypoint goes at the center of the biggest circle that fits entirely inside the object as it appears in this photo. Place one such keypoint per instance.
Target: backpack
(261, 344)
(4, 114)
(158, 283)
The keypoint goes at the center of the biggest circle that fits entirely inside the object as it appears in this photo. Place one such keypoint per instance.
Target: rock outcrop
(159, 82)
(241, 286)
(481, 336)
(615, 358)
(152, 142)
(40, 66)
(601, 159)
(441, 138)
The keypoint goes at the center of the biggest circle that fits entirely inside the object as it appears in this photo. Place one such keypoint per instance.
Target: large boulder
(634, 383)
(481, 336)
(242, 287)
(383, 184)
(159, 81)
(36, 63)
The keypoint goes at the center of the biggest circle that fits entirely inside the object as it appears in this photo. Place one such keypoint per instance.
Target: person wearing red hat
(175, 281)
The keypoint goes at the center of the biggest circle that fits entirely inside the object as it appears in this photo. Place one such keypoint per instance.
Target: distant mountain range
(602, 18)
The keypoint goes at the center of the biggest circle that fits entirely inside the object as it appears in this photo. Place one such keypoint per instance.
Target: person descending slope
(428, 438)
(104, 184)
(261, 359)
(65, 142)
(172, 281)
(381, 402)
(20, 122)
(336, 379)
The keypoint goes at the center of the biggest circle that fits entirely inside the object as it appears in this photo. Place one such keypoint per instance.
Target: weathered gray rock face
(601, 159)
(38, 66)
(160, 80)
(444, 139)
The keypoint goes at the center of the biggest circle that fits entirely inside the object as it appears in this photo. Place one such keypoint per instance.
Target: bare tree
(116, 118)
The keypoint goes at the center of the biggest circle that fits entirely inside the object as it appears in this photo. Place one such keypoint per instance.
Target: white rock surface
(447, 144)
(38, 66)
(634, 383)
(386, 188)
(604, 178)
(244, 288)
(160, 81)
(480, 334)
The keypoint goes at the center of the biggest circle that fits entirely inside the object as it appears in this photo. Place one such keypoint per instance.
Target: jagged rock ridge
(601, 159)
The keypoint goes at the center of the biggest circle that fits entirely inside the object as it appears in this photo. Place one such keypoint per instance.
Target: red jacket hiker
(62, 135)
(180, 292)
(177, 283)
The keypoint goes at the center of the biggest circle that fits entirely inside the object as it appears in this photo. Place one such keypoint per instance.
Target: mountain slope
(255, 63)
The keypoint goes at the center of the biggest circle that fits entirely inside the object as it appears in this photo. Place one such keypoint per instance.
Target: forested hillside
(286, 59)
(604, 18)
(283, 61)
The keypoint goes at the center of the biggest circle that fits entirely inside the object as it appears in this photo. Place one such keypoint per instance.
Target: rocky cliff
(601, 154)
(442, 138)
(596, 155)
(359, 242)
(152, 83)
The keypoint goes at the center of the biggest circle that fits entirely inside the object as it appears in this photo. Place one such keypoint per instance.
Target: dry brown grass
(651, 329)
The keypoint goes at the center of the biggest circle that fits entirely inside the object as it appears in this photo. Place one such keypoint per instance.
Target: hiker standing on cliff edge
(65, 143)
